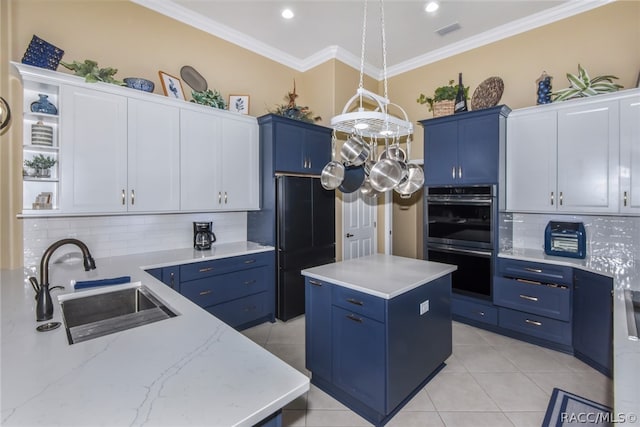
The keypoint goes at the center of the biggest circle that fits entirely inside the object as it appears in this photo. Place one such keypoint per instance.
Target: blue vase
(43, 105)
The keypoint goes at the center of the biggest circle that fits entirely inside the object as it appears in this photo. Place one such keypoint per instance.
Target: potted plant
(92, 73)
(443, 99)
(582, 85)
(208, 97)
(40, 165)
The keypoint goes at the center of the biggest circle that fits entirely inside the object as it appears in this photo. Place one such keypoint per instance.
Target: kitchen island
(378, 328)
(191, 369)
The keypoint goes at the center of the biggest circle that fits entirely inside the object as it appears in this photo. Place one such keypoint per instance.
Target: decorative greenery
(40, 162)
(91, 73)
(210, 98)
(443, 93)
(583, 86)
(293, 111)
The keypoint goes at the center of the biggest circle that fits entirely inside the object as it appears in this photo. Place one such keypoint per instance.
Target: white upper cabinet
(93, 151)
(153, 157)
(629, 198)
(219, 162)
(588, 144)
(575, 157)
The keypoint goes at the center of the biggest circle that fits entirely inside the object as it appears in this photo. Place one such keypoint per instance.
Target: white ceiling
(325, 29)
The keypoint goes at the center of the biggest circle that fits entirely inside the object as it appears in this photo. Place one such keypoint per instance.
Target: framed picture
(239, 103)
(172, 86)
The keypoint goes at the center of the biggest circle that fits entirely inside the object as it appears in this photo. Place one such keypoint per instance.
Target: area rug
(566, 409)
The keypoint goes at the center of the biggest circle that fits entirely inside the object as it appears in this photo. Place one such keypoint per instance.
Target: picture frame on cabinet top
(239, 103)
(171, 85)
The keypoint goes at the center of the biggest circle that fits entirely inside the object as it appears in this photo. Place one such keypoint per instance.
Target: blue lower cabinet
(593, 320)
(358, 357)
(545, 328)
(465, 309)
(242, 312)
(170, 276)
(317, 331)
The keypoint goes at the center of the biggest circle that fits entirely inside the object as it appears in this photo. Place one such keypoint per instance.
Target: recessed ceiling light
(287, 14)
(432, 6)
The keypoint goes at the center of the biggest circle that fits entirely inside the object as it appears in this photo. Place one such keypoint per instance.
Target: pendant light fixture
(368, 127)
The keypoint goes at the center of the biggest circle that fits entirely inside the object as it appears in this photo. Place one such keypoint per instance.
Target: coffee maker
(203, 237)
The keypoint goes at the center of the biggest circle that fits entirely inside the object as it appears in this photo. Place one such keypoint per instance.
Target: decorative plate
(193, 78)
(487, 94)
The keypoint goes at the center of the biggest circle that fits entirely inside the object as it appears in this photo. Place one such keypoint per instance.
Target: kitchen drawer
(475, 311)
(359, 302)
(225, 287)
(545, 300)
(536, 326)
(222, 265)
(541, 272)
(243, 310)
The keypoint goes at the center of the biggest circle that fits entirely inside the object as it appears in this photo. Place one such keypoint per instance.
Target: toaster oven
(566, 239)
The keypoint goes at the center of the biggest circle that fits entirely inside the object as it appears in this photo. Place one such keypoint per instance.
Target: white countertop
(626, 353)
(385, 276)
(188, 370)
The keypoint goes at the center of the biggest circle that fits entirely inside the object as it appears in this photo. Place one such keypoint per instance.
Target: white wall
(123, 235)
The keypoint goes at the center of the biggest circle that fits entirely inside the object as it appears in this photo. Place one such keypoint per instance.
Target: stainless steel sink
(99, 314)
(632, 305)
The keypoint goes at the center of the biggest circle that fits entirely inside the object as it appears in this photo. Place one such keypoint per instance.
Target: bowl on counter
(139, 83)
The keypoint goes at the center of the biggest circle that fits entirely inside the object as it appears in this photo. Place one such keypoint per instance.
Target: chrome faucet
(44, 305)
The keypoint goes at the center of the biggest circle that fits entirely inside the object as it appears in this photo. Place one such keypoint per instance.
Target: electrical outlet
(424, 307)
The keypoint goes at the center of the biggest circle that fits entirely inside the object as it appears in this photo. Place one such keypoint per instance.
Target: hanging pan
(333, 172)
(353, 179)
(415, 177)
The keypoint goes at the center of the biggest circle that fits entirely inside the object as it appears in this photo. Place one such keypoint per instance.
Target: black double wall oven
(461, 230)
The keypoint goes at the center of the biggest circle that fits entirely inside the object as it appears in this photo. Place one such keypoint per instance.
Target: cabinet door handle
(625, 198)
(552, 198)
(459, 171)
(124, 197)
(204, 270)
(207, 292)
(533, 270)
(314, 283)
(133, 197)
(481, 313)
(453, 172)
(561, 198)
(354, 318)
(355, 301)
(219, 197)
(527, 297)
(250, 261)
(225, 197)
(172, 280)
(533, 322)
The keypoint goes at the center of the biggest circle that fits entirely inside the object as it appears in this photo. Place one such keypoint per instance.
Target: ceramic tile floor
(490, 380)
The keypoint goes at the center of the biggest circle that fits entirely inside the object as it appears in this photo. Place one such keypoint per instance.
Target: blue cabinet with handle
(465, 148)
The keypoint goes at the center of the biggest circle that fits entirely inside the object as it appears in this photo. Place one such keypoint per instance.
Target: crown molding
(196, 20)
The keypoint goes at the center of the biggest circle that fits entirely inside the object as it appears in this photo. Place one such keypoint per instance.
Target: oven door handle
(455, 250)
(459, 201)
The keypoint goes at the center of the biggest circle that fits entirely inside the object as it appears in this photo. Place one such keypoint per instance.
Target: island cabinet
(374, 353)
(299, 147)
(534, 299)
(238, 290)
(465, 148)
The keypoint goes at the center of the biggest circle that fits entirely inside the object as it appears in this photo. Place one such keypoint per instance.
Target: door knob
(349, 235)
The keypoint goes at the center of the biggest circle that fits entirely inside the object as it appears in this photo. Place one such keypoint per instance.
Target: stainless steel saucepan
(333, 172)
(354, 151)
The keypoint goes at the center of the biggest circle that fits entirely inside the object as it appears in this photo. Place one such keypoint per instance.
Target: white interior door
(359, 217)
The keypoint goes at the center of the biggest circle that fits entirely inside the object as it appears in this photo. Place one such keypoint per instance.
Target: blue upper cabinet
(465, 148)
(299, 147)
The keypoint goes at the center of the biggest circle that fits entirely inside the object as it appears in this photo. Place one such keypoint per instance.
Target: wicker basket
(443, 108)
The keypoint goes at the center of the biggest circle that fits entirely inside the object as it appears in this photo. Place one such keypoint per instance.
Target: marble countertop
(626, 352)
(384, 276)
(192, 369)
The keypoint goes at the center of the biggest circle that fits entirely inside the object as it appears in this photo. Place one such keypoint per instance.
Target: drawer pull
(533, 322)
(481, 313)
(355, 301)
(207, 292)
(249, 282)
(527, 297)
(531, 282)
(313, 282)
(354, 318)
(250, 261)
(533, 270)
(204, 270)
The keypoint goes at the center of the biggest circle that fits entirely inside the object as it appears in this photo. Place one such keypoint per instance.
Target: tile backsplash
(122, 235)
(607, 236)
